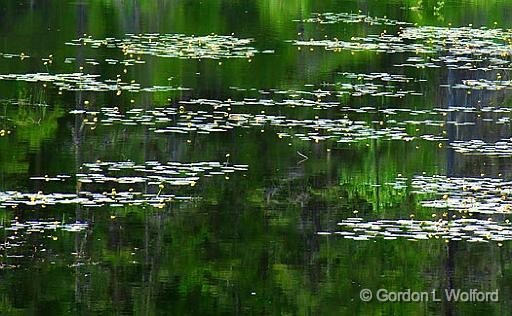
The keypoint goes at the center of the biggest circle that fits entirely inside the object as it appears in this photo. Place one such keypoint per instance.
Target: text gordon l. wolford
(450, 295)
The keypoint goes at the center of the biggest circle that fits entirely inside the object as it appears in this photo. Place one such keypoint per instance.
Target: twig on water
(303, 156)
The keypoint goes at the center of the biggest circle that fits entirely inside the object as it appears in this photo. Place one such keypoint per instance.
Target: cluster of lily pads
(57, 178)
(376, 43)
(266, 102)
(18, 234)
(109, 61)
(114, 198)
(452, 47)
(42, 226)
(153, 172)
(85, 82)
(176, 45)
(154, 179)
(320, 99)
(484, 84)
(218, 116)
(366, 85)
(502, 148)
(470, 230)
(332, 18)
(459, 198)
(351, 84)
(382, 76)
(465, 194)
(172, 120)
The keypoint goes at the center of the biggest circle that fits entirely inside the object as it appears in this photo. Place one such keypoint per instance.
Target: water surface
(215, 183)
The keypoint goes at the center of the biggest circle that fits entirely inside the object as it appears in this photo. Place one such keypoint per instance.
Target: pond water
(254, 157)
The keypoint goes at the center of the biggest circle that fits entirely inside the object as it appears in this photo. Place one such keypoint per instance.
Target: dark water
(247, 243)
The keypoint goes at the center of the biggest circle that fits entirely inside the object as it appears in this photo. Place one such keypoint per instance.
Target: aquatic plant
(470, 230)
(175, 45)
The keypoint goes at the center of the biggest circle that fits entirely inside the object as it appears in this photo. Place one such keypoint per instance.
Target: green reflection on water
(249, 245)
